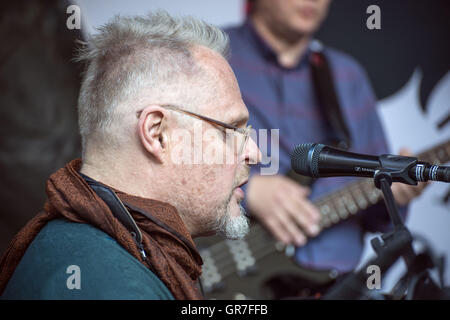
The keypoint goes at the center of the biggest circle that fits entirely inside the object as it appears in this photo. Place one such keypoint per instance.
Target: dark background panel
(413, 34)
(38, 92)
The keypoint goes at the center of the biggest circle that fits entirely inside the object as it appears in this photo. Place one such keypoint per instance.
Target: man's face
(209, 192)
(291, 18)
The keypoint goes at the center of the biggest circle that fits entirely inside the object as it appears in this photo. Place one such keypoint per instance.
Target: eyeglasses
(242, 136)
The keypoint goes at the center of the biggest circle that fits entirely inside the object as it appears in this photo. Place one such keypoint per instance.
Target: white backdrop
(222, 13)
(403, 120)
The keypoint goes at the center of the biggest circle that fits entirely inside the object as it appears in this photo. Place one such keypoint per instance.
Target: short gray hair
(131, 52)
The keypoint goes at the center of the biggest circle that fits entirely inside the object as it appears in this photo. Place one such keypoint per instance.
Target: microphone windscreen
(299, 159)
(305, 159)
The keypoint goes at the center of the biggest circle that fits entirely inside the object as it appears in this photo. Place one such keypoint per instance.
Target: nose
(252, 153)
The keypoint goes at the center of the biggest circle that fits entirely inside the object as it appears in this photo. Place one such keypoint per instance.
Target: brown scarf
(172, 255)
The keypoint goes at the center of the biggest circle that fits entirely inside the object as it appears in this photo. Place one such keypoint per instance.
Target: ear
(152, 131)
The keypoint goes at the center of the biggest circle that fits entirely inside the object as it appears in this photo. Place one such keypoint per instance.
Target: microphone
(318, 160)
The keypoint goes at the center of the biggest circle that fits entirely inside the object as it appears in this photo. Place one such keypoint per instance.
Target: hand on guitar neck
(282, 206)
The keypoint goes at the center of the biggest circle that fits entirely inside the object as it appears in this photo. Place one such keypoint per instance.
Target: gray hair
(129, 53)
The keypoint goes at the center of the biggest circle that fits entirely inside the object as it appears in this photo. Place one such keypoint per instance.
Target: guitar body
(274, 276)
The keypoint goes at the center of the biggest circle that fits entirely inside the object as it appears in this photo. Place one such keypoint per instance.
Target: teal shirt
(66, 255)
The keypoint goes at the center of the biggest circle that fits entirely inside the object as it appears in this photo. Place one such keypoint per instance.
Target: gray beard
(234, 228)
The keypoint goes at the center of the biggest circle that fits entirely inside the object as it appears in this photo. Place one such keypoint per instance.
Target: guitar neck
(359, 195)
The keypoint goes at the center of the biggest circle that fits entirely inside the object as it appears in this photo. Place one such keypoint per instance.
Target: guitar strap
(325, 92)
(326, 96)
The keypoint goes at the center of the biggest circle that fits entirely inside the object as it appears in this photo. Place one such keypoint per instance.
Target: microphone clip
(397, 167)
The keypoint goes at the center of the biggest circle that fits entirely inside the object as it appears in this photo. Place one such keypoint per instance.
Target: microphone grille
(315, 159)
(299, 159)
(305, 159)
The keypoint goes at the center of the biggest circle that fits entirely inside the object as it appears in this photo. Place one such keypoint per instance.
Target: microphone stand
(383, 181)
(416, 283)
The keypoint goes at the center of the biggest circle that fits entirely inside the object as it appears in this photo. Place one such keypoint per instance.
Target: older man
(158, 101)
